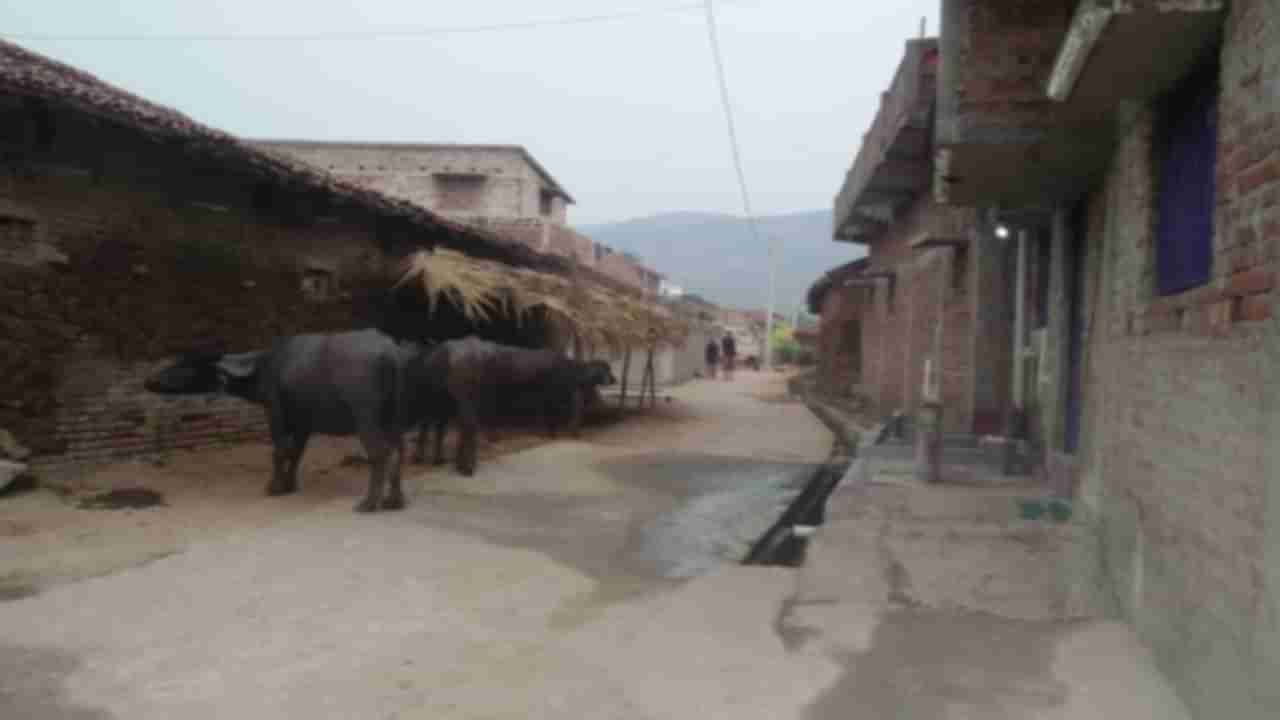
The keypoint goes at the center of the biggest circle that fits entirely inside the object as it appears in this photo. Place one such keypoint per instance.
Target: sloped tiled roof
(29, 74)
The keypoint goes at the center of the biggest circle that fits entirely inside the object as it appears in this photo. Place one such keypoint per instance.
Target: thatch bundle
(484, 289)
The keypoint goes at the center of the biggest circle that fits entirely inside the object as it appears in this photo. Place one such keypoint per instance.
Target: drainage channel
(785, 543)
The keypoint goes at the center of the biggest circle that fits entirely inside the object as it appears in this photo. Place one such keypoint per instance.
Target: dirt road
(591, 578)
(594, 579)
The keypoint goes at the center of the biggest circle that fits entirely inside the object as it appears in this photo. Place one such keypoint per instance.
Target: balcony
(893, 164)
(1122, 50)
(1028, 91)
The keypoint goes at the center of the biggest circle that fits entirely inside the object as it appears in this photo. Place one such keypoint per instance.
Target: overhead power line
(742, 175)
(399, 32)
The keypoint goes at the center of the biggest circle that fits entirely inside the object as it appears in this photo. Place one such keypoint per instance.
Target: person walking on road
(729, 353)
(713, 357)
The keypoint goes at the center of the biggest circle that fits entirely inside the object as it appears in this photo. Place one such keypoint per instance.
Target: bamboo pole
(626, 372)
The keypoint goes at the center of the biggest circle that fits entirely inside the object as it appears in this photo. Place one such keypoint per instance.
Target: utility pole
(768, 322)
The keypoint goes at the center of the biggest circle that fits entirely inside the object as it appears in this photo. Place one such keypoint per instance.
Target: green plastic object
(1031, 509)
(1060, 509)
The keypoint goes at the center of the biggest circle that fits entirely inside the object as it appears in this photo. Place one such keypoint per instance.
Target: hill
(714, 255)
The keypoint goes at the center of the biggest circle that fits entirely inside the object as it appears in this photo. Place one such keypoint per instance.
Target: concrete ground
(593, 578)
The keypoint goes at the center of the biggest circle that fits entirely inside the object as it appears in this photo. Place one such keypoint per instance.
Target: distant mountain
(715, 256)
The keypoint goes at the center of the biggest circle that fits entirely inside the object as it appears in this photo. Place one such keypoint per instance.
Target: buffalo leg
(395, 492)
(442, 425)
(469, 426)
(420, 448)
(379, 452)
(297, 446)
(575, 412)
(286, 452)
(488, 414)
(281, 449)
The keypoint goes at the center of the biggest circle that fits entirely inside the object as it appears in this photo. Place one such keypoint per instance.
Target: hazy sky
(625, 113)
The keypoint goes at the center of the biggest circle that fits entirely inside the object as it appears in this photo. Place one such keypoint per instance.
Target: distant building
(497, 187)
(668, 289)
(462, 182)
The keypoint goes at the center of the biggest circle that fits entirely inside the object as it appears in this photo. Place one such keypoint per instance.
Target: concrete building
(1130, 151)
(915, 316)
(500, 188)
(471, 183)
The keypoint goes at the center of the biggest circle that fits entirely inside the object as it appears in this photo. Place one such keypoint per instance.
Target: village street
(574, 579)
(586, 579)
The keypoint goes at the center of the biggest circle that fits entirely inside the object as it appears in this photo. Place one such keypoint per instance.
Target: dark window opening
(959, 271)
(1186, 153)
(460, 192)
(546, 203)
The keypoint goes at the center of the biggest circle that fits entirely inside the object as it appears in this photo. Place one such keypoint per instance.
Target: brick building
(129, 232)
(840, 302)
(1129, 153)
(919, 300)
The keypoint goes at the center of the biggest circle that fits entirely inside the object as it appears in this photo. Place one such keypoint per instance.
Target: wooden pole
(646, 379)
(626, 372)
(653, 381)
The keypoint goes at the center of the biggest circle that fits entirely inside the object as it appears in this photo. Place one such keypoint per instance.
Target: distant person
(729, 354)
(713, 357)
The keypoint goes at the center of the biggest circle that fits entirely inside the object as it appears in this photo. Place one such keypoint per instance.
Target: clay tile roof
(29, 74)
(818, 291)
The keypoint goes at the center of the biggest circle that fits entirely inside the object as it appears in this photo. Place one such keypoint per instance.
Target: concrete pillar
(1017, 428)
(1020, 324)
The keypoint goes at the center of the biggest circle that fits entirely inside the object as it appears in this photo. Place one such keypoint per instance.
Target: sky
(625, 113)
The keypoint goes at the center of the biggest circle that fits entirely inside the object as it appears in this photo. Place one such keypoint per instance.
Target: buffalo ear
(241, 366)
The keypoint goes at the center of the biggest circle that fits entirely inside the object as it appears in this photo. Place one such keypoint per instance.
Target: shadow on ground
(31, 686)
(929, 665)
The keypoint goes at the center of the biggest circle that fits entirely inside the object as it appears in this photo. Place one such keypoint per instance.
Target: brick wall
(899, 333)
(1180, 406)
(145, 277)
(839, 352)
(1003, 79)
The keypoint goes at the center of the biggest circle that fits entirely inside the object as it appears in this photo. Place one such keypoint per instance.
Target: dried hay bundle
(483, 289)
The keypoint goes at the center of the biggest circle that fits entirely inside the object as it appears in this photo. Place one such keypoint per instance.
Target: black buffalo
(360, 383)
(480, 375)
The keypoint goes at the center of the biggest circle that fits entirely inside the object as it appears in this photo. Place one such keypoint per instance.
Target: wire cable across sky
(742, 175)
(369, 34)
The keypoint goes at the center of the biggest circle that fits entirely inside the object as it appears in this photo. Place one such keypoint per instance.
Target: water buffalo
(361, 382)
(478, 372)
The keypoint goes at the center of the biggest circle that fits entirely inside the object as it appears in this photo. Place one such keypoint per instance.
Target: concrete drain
(784, 544)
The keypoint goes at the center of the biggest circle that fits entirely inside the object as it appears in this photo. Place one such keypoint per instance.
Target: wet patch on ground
(654, 521)
(723, 505)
